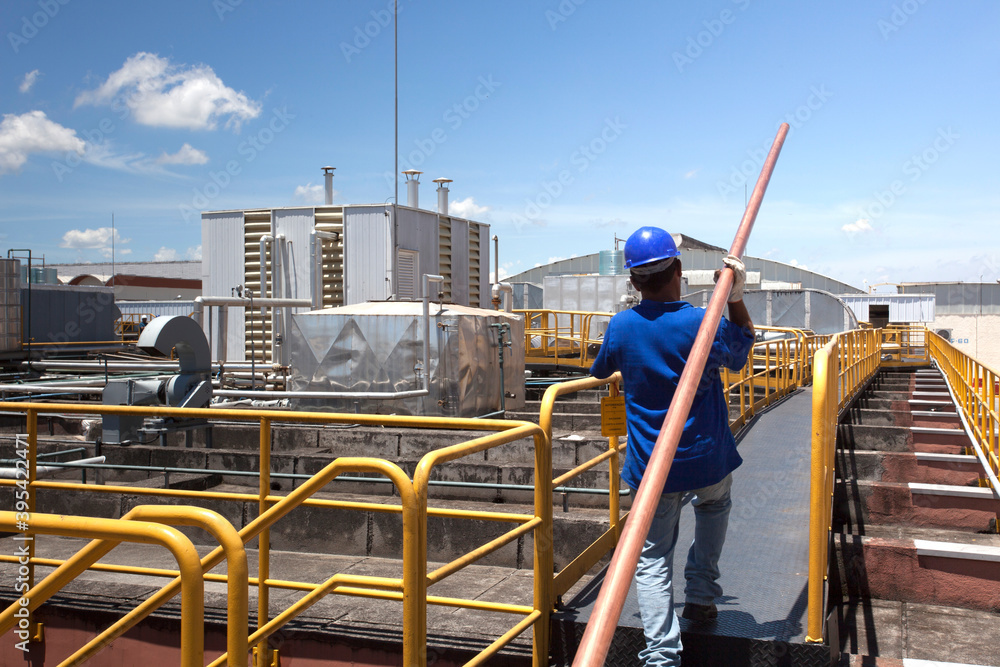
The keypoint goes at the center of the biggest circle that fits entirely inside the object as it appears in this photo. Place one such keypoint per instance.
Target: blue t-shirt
(650, 344)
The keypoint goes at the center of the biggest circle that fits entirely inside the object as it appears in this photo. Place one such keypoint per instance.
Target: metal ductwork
(412, 187)
(442, 194)
(328, 185)
(191, 388)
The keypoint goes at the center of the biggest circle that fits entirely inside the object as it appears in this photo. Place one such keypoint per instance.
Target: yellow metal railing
(562, 337)
(579, 566)
(128, 326)
(841, 369)
(976, 388)
(904, 345)
(774, 369)
(108, 533)
(411, 588)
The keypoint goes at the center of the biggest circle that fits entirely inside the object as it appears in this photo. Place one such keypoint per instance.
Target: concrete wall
(976, 335)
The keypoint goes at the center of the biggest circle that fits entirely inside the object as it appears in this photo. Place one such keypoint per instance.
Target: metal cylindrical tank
(51, 276)
(378, 347)
(10, 305)
(611, 263)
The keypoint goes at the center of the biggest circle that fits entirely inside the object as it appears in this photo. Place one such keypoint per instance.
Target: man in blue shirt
(650, 344)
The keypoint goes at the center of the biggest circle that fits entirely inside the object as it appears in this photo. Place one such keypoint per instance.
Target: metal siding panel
(222, 266)
(156, 308)
(367, 250)
(296, 225)
(418, 230)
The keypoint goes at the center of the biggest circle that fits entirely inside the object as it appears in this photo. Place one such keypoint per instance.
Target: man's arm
(739, 315)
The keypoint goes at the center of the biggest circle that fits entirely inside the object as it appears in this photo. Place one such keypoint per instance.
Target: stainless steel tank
(379, 347)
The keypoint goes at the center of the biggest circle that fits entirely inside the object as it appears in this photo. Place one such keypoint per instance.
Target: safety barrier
(776, 366)
(904, 345)
(976, 391)
(561, 337)
(413, 509)
(138, 526)
(774, 369)
(841, 369)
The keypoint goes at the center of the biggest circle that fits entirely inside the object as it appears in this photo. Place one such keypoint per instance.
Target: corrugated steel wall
(222, 267)
(903, 309)
(960, 298)
(157, 308)
(367, 254)
(418, 232)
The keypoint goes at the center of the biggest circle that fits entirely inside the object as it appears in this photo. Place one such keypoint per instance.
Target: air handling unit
(261, 266)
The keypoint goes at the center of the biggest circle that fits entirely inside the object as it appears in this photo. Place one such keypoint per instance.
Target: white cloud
(795, 263)
(29, 80)
(311, 194)
(467, 208)
(860, 226)
(165, 254)
(33, 132)
(186, 155)
(164, 95)
(692, 173)
(96, 239)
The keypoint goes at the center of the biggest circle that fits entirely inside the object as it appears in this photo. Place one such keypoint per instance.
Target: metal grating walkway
(762, 613)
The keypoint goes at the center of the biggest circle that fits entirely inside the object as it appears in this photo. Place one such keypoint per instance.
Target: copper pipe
(593, 646)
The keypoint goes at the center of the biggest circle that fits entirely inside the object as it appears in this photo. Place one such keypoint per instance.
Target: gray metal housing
(379, 347)
(10, 307)
(816, 310)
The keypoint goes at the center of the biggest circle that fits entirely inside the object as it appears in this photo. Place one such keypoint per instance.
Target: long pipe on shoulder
(593, 646)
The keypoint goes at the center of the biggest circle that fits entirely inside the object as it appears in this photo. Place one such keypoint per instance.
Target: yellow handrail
(976, 388)
(411, 588)
(213, 523)
(191, 583)
(564, 337)
(841, 369)
(781, 366)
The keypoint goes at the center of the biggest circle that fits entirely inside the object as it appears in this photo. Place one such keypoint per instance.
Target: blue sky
(562, 122)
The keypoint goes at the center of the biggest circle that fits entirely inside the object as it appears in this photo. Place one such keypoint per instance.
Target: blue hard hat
(649, 244)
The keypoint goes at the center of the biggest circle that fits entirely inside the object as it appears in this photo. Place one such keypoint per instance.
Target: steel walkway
(762, 613)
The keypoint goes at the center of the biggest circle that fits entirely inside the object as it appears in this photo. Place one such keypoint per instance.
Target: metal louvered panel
(406, 273)
(474, 266)
(331, 219)
(258, 332)
(444, 257)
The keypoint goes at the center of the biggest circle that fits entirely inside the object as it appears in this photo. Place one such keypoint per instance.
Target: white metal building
(898, 308)
(336, 255)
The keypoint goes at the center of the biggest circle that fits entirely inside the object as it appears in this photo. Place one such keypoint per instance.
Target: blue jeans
(653, 577)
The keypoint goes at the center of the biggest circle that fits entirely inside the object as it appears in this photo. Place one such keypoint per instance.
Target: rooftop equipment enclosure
(378, 347)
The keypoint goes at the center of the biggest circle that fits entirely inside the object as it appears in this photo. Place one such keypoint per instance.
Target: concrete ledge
(877, 438)
(907, 467)
(888, 569)
(859, 503)
(962, 551)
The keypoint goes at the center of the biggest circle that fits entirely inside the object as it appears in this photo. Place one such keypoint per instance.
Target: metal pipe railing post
(264, 540)
(604, 619)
